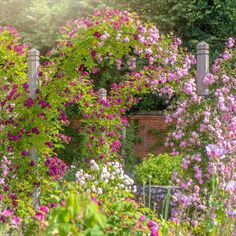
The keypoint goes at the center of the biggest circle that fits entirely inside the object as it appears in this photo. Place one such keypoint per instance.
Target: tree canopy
(192, 20)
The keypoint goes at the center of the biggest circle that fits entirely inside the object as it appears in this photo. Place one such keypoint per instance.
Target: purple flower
(44, 104)
(25, 86)
(115, 145)
(102, 156)
(29, 102)
(230, 43)
(49, 144)
(32, 163)
(24, 153)
(154, 231)
(15, 220)
(101, 140)
(12, 137)
(3, 219)
(110, 116)
(231, 186)
(152, 223)
(153, 226)
(35, 130)
(214, 151)
(97, 34)
(5, 188)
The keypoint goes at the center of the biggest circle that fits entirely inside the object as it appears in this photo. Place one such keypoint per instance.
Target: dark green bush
(157, 169)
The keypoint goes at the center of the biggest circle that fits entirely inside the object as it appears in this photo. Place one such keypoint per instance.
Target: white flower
(134, 190)
(104, 170)
(117, 171)
(121, 185)
(92, 162)
(126, 39)
(88, 190)
(99, 191)
(112, 177)
(95, 167)
(149, 51)
(126, 182)
(86, 176)
(118, 37)
(2, 181)
(93, 188)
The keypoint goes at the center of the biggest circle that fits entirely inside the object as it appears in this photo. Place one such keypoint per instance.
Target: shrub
(78, 213)
(157, 169)
(205, 137)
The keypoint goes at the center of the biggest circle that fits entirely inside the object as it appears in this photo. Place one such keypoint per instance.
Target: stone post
(33, 70)
(33, 81)
(123, 139)
(103, 93)
(202, 67)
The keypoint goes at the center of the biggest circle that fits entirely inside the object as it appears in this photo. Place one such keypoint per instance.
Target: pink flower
(63, 203)
(152, 223)
(15, 220)
(230, 42)
(142, 218)
(7, 212)
(154, 231)
(44, 209)
(39, 216)
(214, 151)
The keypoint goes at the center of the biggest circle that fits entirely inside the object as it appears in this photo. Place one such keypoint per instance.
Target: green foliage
(130, 159)
(13, 65)
(79, 216)
(81, 213)
(157, 169)
(150, 102)
(38, 21)
(210, 20)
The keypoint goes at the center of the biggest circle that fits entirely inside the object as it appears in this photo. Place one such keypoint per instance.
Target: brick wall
(152, 132)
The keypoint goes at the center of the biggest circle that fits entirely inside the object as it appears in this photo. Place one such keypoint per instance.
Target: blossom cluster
(56, 167)
(121, 39)
(205, 137)
(103, 178)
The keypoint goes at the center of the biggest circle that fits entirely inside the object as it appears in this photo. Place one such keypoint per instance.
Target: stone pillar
(202, 67)
(33, 81)
(123, 139)
(33, 70)
(103, 94)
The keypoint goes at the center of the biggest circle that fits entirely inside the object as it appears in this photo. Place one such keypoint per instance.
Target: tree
(192, 20)
(38, 22)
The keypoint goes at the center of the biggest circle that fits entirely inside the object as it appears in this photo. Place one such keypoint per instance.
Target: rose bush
(145, 61)
(136, 58)
(205, 136)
